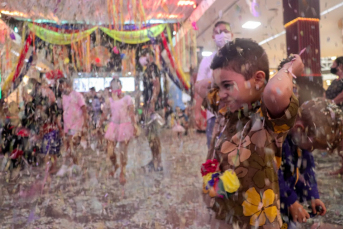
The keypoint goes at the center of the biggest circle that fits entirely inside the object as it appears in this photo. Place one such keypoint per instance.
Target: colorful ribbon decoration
(182, 79)
(59, 38)
(167, 70)
(183, 75)
(22, 57)
(134, 37)
(25, 69)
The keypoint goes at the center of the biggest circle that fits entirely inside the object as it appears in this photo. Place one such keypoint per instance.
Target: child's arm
(309, 188)
(279, 89)
(203, 87)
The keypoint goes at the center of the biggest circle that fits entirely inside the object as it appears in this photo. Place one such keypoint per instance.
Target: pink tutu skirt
(119, 132)
(178, 128)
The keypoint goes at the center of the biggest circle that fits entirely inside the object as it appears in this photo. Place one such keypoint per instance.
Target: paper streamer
(134, 37)
(59, 38)
(178, 65)
(22, 57)
(185, 84)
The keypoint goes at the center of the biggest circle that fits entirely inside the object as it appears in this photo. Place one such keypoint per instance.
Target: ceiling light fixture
(272, 38)
(251, 24)
(13, 13)
(186, 3)
(331, 9)
(206, 53)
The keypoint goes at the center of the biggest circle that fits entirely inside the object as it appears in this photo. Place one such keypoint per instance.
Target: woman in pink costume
(121, 128)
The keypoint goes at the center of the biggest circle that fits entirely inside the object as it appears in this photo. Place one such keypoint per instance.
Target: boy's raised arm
(279, 89)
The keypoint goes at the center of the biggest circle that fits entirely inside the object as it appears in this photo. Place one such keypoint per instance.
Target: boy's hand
(298, 66)
(299, 214)
(315, 203)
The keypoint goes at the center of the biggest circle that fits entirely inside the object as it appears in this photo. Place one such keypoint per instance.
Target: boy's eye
(228, 86)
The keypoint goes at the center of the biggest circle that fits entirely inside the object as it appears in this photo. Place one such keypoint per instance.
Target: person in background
(335, 93)
(152, 95)
(335, 90)
(296, 176)
(96, 106)
(74, 115)
(221, 35)
(121, 129)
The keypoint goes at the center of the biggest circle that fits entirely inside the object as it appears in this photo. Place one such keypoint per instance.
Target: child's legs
(123, 155)
(111, 152)
(155, 145)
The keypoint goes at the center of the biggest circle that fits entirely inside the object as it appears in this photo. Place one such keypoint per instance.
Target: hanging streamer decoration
(22, 57)
(59, 38)
(25, 69)
(170, 74)
(135, 37)
(178, 71)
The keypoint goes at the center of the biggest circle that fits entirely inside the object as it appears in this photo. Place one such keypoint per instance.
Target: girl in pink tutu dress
(121, 127)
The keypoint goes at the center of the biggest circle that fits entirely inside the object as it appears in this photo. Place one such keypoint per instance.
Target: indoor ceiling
(96, 11)
(237, 12)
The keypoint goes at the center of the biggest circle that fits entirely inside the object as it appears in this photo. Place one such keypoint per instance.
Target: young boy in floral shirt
(257, 117)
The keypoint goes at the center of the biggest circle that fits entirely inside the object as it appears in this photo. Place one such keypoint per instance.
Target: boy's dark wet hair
(285, 61)
(243, 56)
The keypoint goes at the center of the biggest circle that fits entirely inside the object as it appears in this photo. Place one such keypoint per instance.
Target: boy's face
(235, 91)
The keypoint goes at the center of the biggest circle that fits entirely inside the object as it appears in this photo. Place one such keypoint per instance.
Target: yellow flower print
(232, 148)
(207, 178)
(259, 208)
(281, 129)
(230, 181)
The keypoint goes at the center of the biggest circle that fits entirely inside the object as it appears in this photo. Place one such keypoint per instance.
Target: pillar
(301, 22)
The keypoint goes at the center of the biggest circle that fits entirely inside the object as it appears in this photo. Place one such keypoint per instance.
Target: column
(301, 22)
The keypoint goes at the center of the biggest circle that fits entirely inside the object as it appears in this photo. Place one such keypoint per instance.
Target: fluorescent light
(251, 24)
(328, 82)
(206, 53)
(333, 58)
(272, 38)
(331, 9)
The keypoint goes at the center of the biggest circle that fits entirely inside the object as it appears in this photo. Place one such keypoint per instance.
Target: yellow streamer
(121, 14)
(142, 11)
(185, 78)
(134, 37)
(58, 38)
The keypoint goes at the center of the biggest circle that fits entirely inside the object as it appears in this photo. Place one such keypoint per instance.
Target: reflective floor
(87, 197)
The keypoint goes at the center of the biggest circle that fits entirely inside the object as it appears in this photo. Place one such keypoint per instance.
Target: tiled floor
(86, 197)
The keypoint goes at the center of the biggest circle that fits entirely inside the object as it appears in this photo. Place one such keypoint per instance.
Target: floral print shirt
(250, 143)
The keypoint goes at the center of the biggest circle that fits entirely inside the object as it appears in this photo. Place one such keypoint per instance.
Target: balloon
(115, 50)
(66, 60)
(122, 56)
(194, 25)
(97, 60)
(12, 36)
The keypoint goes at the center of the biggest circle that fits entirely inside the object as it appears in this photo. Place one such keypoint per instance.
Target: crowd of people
(259, 169)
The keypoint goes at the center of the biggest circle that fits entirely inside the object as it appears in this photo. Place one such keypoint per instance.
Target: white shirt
(205, 72)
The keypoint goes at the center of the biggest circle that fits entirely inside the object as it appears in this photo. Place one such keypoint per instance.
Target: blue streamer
(167, 70)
